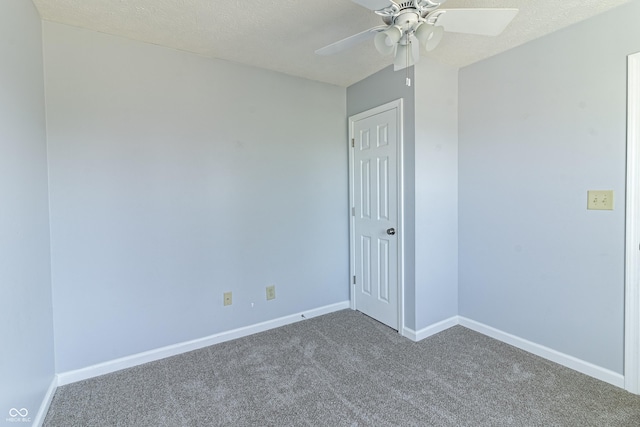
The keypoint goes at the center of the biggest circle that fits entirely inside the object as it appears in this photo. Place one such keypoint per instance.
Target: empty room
(340, 213)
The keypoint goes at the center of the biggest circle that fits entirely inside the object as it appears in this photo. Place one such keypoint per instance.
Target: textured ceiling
(283, 35)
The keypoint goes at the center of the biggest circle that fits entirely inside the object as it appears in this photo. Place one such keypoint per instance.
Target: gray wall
(430, 177)
(378, 89)
(175, 178)
(26, 330)
(436, 192)
(539, 126)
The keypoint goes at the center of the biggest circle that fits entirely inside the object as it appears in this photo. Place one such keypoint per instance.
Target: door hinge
(353, 211)
(354, 280)
(353, 142)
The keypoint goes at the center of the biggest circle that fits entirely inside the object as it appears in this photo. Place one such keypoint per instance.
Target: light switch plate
(600, 200)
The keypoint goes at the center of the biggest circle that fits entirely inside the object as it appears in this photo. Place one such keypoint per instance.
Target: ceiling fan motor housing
(422, 8)
(408, 22)
(407, 5)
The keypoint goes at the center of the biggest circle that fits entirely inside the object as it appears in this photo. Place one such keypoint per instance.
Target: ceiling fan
(415, 23)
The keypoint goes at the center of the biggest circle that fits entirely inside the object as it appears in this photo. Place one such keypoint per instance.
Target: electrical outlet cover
(271, 292)
(227, 298)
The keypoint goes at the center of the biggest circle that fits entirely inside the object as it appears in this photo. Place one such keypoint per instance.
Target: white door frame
(397, 105)
(632, 250)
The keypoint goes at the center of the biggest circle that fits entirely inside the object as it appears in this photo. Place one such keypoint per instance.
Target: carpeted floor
(345, 369)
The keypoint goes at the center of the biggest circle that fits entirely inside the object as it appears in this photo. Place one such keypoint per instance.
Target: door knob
(391, 231)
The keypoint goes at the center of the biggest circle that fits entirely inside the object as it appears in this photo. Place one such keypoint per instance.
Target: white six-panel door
(375, 227)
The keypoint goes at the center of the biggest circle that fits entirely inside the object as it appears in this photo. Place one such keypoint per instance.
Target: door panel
(376, 211)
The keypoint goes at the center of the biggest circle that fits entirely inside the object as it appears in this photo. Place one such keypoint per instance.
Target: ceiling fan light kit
(413, 24)
(385, 41)
(433, 38)
(404, 58)
(424, 33)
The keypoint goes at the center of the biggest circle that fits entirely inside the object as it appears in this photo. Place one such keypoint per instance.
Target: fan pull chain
(408, 80)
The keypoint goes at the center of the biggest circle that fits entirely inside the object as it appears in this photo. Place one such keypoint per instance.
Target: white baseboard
(46, 402)
(69, 377)
(539, 350)
(546, 352)
(430, 330)
(571, 362)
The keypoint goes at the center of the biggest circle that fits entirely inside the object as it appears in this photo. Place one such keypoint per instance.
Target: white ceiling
(283, 35)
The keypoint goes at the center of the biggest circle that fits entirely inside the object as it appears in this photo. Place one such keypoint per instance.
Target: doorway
(376, 241)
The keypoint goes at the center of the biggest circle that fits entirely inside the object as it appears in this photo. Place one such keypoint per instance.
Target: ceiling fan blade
(485, 22)
(355, 39)
(373, 4)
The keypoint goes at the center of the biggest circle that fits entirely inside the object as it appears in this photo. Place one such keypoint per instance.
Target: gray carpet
(345, 369)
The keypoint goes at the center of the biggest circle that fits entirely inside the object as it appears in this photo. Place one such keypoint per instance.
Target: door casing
(632, 238)
(398, 106)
